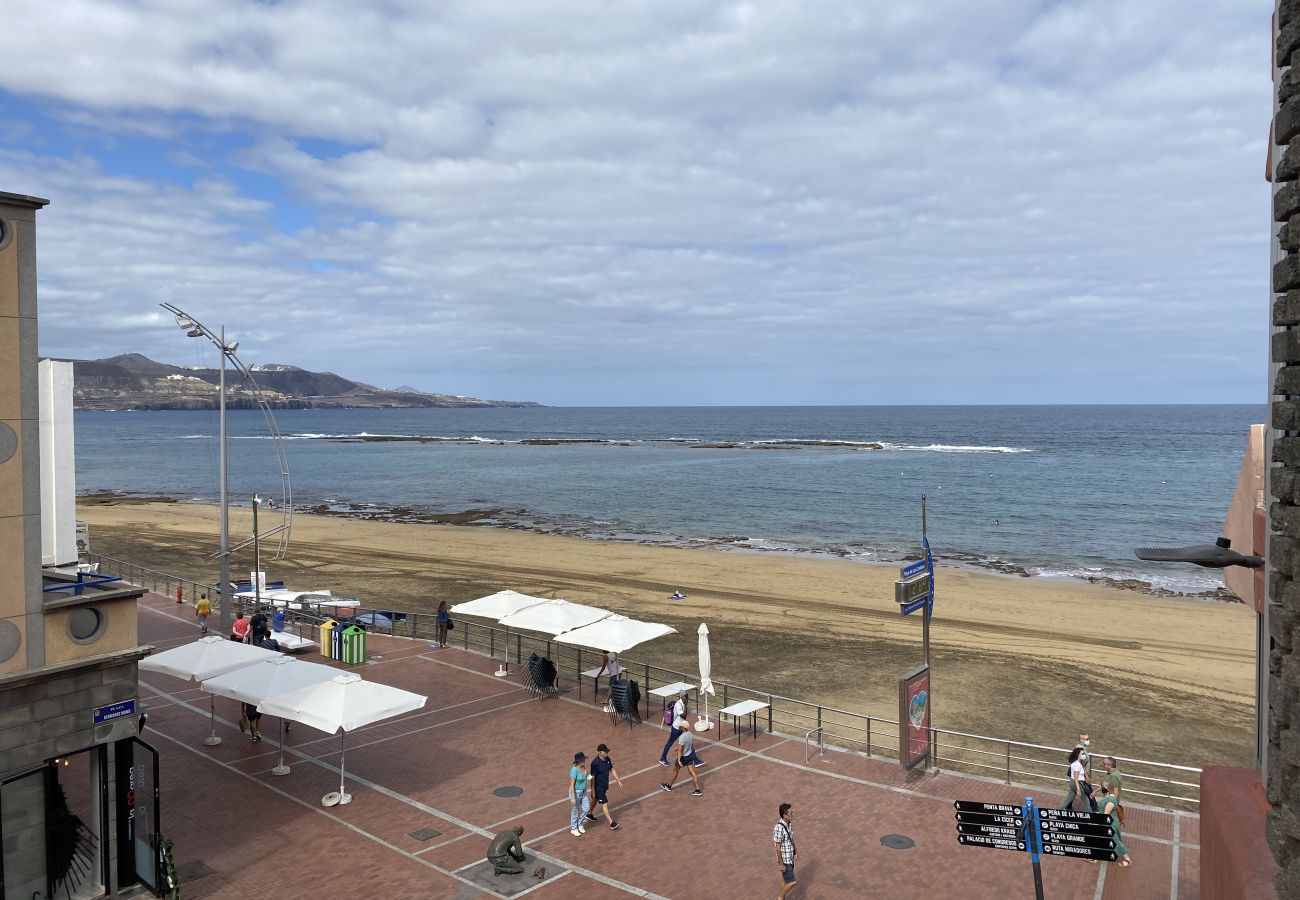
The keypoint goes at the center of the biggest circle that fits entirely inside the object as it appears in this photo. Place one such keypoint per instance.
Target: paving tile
(438, 768)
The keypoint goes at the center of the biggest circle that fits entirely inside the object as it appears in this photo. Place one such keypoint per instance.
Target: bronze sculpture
(506, 852)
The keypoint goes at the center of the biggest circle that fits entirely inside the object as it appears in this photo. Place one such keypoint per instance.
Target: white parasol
(278, 675)
(206, 658)
(614, 634)
(706, 683)
(555, 617)
(344, 703)
(498, 606)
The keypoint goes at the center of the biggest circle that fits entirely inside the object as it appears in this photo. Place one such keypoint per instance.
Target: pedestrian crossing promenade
(431, 787)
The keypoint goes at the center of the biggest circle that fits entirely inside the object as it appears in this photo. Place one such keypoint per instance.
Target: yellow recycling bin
(327, 636)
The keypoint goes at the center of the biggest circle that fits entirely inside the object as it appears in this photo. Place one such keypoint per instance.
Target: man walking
(202, 610)
(601, 768)
(1113, 780)
(783, 837)
(679, 715)
(579, 794)
(685, 758)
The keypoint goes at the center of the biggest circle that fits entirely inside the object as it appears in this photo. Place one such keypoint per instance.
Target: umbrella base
(703, 725)
(212, 740)
(501, 672)
(334, 798)
(280, 770)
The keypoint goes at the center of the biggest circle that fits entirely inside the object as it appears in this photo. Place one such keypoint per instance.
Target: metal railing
(1160, 784)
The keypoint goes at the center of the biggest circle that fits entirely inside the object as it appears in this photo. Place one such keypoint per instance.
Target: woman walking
(1078, 780)
(1110, 806)
(444, 622)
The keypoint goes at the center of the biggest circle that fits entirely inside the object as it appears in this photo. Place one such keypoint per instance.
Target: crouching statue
(506, 852)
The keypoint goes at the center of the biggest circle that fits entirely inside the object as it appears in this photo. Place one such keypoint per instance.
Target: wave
(684, 442)
(958, 448)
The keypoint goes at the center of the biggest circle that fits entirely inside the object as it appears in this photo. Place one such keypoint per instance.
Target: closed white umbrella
(706, 683)
(344, 703)
(269, 678)
(206, 658)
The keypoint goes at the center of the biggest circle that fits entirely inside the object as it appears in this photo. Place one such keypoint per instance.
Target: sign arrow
(1001, 809)
(986, 819)
(994, 843)
(1084, 852)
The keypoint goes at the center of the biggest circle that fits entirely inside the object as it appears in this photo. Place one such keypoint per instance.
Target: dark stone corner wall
(1283, 768)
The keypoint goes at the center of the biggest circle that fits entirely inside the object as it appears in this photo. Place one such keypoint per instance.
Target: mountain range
(133, 381)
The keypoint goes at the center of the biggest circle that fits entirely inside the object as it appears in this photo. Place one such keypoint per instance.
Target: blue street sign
(915, 568)
(114, 711)
(918, 603)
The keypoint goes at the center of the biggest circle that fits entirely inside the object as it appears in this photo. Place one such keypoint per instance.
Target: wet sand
(1029, 659)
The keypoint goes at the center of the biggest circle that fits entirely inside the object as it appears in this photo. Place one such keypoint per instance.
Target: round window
(86, 625)
(4, 233)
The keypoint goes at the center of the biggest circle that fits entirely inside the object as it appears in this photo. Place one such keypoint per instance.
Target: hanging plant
(167, 861)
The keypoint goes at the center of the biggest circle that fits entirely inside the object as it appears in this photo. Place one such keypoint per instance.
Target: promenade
(429, 789)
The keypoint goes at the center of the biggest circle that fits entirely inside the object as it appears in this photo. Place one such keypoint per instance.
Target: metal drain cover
(509, 790)
(193, 871)
(425, 834)
(898, 842)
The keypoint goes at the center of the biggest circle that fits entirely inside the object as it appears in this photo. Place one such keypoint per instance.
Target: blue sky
(675, 202)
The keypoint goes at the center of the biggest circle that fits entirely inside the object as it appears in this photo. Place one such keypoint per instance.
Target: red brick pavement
(438, 767)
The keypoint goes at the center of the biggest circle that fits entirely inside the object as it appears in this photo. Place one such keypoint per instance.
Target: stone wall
(1282, 774)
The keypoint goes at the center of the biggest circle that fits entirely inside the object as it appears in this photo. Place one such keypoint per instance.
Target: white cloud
(884, 198)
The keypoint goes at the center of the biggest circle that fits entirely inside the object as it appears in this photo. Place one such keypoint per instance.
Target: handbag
(451, 626)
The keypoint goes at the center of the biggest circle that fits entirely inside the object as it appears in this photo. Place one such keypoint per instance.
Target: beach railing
(1165, 785)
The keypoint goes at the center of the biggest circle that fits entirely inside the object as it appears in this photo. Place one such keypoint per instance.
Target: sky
(669, 202)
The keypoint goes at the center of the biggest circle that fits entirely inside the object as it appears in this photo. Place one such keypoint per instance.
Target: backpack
(668, 714)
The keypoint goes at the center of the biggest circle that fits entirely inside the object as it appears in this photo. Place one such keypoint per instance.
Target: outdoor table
(594, 675)
(290, 642)
(744, 707)
(672, 690)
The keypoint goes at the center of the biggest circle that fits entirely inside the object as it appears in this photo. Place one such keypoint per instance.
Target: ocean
(1047, 491)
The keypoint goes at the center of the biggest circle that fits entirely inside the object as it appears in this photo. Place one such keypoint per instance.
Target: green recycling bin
(354, 645)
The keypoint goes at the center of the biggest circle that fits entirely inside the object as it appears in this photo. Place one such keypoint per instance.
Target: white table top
(592, 673)
(289, 640)
(672, 690)
(744, 707)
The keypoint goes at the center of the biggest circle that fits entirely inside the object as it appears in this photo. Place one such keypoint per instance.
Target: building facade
(78, 789)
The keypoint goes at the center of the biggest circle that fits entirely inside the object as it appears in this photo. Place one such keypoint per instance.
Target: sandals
(1125, 863)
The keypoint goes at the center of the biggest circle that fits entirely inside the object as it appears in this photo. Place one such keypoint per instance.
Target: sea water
(1055, 491)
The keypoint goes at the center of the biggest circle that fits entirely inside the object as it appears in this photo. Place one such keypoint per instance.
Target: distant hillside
(133, 381)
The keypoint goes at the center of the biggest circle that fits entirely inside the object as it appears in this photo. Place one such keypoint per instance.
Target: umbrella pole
(212, 740)
(344, 796)
(505, 666)
(281, 769)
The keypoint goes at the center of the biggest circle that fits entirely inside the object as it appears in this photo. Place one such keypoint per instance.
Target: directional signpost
(995, 825)
(1083, 834)
(1056, 832)
(915, 591)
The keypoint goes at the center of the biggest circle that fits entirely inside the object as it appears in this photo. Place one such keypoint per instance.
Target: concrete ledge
(1235, 858)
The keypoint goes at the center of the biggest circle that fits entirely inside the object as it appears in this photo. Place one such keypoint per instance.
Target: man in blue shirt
(601, 768)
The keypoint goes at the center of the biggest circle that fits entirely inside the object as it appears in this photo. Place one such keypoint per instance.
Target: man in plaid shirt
(783, 837)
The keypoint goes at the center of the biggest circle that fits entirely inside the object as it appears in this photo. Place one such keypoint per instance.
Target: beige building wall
(21, 633)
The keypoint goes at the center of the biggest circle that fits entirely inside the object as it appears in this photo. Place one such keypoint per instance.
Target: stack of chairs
(540, 677)
(624, 701)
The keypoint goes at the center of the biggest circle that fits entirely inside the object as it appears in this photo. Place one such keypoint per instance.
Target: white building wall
(58, 465)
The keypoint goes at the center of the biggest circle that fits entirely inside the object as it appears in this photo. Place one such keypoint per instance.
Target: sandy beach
(1023, 658)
